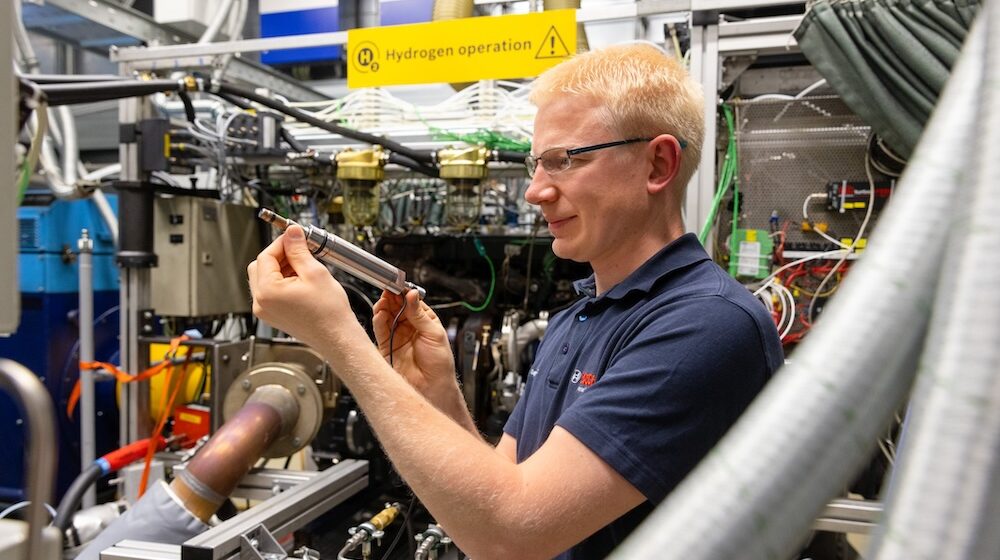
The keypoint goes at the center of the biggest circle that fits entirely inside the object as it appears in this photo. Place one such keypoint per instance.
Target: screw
(296, 442)
(246, 384)
(225, 358)
(302, 389)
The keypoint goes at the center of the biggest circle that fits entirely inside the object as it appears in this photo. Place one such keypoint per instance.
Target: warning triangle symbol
(552, 46)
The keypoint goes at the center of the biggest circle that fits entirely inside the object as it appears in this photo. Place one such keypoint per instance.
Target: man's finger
(298, 255)
(419, 314)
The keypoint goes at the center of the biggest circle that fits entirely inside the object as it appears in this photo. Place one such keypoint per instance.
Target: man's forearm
(458, 476)
(452, 404)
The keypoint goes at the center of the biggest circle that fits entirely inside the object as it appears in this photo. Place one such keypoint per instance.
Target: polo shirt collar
(679, 253)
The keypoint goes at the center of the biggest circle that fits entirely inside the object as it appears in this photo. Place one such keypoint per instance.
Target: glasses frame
(531, 162)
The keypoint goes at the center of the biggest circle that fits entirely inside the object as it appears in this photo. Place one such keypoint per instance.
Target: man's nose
(541, 189)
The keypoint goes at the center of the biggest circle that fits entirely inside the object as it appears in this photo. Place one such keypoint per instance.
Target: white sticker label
(748, 261)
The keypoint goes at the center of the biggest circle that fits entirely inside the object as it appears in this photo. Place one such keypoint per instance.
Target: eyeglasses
(557, 160)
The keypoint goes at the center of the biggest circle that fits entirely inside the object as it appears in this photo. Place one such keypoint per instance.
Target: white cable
(811, 88)
(854, 243)
(813, 227)
(22, 505)
(786, 266)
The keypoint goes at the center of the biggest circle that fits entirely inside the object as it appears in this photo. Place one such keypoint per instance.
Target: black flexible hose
(510, 156)
(241, 103)
(89, 92)
(188, 105)
(400, 159)
(423, 156)
(74, 495)
(45, 79)
(293, 142)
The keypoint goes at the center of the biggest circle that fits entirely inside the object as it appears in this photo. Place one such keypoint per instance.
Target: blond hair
(643, 91)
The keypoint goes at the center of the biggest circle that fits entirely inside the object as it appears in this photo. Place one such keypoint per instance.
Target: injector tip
(275, 219)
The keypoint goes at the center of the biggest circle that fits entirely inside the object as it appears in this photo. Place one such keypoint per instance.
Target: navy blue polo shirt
(648, 375)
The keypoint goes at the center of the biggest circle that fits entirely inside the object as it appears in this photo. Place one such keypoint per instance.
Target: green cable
(729, 168)
(22, 185)
(733, 262)
(493, 278)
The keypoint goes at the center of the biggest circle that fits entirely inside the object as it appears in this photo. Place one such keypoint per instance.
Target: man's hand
(421, 352)
(295, 293)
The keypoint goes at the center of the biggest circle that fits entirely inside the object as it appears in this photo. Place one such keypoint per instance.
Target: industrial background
(147, 135)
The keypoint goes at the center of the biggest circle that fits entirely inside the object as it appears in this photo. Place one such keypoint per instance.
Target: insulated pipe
(269, 413)
(100, 200)
(40, 463)
(235, 28)
(803, 439)
(944, 497)
(23, 42)
(218, 19)
(88, 443)
(60, 187)
(70, 145)
(53, 174)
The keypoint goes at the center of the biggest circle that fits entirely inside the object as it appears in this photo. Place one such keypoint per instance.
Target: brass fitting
(190, 83)
(365, 165)
(385, 517)
(463, 163)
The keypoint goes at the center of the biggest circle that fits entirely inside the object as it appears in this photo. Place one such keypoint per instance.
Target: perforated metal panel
(790, 149)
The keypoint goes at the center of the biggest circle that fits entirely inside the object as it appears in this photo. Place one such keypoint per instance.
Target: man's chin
(564, 250)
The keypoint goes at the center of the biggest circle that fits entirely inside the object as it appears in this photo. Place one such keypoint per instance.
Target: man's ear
(664, 153)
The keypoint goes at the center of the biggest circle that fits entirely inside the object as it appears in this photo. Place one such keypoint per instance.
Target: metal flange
(293, 378)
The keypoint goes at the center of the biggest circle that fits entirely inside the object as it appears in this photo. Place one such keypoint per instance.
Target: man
(632, 385)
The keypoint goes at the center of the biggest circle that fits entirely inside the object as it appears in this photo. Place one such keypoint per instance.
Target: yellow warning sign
(552, 45)
(460, 50)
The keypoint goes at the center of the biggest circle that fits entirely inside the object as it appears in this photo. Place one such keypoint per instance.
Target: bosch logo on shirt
(583, 379)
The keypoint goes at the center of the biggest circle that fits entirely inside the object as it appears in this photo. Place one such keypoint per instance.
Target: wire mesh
(789, 149)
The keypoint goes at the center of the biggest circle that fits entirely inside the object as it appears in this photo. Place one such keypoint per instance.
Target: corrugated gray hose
(806, 436)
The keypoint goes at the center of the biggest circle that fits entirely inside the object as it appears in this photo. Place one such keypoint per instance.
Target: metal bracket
(259, 544)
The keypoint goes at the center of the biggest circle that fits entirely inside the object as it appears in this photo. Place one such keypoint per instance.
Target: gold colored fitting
(190, 83)
(463, 163)
(385, 517)
(366, 165)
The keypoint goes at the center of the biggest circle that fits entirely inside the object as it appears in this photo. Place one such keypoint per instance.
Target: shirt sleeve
(516, 420)
(678, 380)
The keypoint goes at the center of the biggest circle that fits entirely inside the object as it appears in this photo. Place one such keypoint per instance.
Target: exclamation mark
(552, 45)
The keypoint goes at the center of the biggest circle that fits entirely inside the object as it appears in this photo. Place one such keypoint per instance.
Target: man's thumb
(296, 250)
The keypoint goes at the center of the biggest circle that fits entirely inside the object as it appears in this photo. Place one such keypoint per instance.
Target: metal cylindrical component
(88, 442)
(337, 251)
(269, 135)
(40, 465)
(232, 451)
(281, 400)
(135, 205)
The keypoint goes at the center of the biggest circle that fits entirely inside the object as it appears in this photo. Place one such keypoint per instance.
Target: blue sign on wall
(325, 20)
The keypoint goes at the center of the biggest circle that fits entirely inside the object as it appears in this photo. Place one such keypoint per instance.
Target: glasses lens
(555, 160)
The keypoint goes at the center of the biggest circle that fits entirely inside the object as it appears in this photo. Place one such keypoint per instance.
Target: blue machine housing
(47, 338)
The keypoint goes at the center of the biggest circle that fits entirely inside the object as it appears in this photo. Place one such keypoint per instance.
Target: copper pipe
(227, 457)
